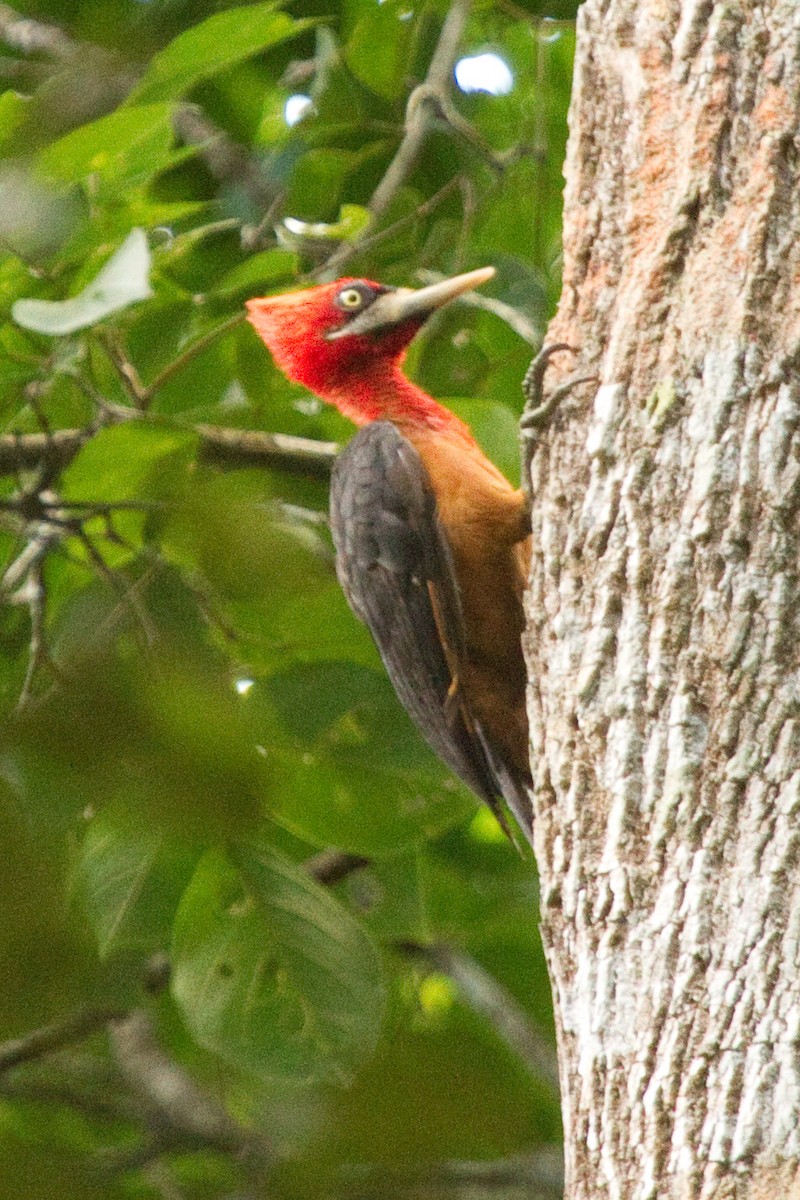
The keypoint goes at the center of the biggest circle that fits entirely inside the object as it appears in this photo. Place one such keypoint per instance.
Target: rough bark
(664, 637)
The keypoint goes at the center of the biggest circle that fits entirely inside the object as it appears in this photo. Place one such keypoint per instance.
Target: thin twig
(33, 394)
(421, 113)
(252, 236)
(129, 376)
(98, 1104)
(34, 552)
(143, 394)
(498, 160)
(110, 1163)
(109, 622)
(74, 1028)
(469, 208)
(512, 316)
(227, 161)
(179, 1108)
(364, 244)
(487, 995)
(98, 508)
(297, 514)
(107, 408)
(524, 1175)
(203, 598)
(38, 653)
(23, 581)
(126, 593)
(541, 1171)
(186, 356)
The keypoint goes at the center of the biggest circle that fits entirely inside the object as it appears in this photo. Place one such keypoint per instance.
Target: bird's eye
(350, 299)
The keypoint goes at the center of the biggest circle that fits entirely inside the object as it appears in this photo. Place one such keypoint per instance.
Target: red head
(346, 341)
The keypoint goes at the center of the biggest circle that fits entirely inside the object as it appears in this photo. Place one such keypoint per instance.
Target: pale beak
(405, 304)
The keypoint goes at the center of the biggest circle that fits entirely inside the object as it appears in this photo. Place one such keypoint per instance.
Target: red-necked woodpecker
(431, 539)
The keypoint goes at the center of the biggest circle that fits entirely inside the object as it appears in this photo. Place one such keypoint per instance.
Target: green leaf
(13, 110)
(352, 771)
(44, 954)
(122, 281)
(263, 270)
(240, 545)
(211, 47)
(353, 220)
(271, 973)
(379, 48)
(128, 145)
(127, 461)
(166, 737)
(133, 877)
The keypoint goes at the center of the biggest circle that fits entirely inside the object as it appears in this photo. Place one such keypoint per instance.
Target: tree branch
(368, 242)
(35, 37)
(176, 1113)
(32, 554)
(227, 161)
(179, 1108)
(111, 342)
(98, 1104)
(421, 111)
(22, 451)
(34, 593)
(284, 451)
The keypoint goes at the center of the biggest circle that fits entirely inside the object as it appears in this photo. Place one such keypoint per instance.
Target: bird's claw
(533, 383)
(537, 411)
(535, 418)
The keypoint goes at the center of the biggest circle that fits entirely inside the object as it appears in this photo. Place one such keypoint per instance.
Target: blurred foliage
(191, 711)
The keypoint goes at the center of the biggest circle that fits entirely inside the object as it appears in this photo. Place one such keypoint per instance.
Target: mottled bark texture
(664, 642)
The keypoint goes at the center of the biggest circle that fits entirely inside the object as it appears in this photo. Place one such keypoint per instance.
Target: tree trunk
(664, 635)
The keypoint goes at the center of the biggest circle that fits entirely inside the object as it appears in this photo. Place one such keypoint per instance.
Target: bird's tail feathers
(514, 790)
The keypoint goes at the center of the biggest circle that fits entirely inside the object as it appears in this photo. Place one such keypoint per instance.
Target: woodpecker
(432, 541)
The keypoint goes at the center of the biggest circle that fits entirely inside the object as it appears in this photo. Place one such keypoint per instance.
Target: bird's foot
(537, 411)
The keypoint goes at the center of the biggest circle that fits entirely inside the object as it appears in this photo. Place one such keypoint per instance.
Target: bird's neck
(385, 394)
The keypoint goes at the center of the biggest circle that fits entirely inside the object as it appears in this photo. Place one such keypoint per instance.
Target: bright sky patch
(296, 108)
(484, 73)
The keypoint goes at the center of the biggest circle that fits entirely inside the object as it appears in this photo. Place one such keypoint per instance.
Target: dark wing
(395, 566)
